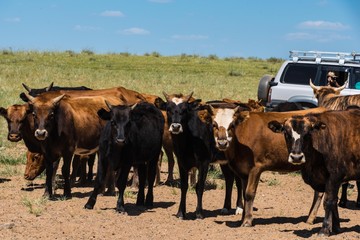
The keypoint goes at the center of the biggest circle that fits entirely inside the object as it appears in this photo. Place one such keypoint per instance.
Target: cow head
(177, 110)
(119, 118)
(35, 165)
(34, 92)
(322, 93)
(223, 124)
(297, 130)
(15, 116)
(43, 111)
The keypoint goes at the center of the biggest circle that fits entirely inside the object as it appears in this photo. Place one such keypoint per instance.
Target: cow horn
(57, 99)
(167, 97)
(29, 97)
(49, 87)
(339, 89)
(188, 97)
(313, 86)
(26, 87)
(133, 106)
(108, 105)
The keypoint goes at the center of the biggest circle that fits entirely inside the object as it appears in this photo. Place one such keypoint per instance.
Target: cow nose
(296, 158)
(175, 128)
(41, 134)
(222, 144)
(14, 137)
(120, 140)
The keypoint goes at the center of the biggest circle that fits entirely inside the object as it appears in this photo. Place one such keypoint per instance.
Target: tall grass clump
(35, 206)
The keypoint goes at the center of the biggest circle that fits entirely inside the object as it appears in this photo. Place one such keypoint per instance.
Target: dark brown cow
(330, 98)
(251, 148)
(65, 126)
(329, 153)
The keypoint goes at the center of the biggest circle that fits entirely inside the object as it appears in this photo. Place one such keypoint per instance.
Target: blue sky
(226, 28)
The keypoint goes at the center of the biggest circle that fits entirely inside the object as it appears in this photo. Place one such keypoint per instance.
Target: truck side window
(299, 74)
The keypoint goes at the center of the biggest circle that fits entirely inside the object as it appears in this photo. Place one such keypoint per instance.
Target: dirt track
(282, 204)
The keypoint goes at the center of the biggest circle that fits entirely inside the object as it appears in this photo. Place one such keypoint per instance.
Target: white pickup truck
(291, 83)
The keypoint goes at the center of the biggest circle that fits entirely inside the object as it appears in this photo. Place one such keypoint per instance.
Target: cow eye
(34, 114)
(215, 125)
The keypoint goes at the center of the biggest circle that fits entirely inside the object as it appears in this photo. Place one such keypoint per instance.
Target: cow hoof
(199, 216)
(89, 206)
(224, 211)
(342, 204)
(246, 224)
(324, 233)
(180, 216)
(239, 211)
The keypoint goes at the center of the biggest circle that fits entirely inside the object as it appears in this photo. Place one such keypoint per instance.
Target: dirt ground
(282, 204)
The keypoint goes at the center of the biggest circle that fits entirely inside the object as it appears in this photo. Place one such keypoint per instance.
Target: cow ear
(23, 97)
(276, 127)
(103, 114)
(160, 104)
(241, 116)
(318, 125)
(3, 111)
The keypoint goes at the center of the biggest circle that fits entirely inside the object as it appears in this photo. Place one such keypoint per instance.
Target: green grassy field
(209, 77)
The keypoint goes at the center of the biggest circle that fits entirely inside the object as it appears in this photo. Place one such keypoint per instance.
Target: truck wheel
(263, 88)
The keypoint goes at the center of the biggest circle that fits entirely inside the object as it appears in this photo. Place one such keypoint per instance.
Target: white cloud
(112, 14)
(135, 31)
(13, 20)
(322, 25)
(83, 28)
(189, 37)
(318, 37)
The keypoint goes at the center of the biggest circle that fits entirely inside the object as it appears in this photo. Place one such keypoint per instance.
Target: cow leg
(91, 162)
(49, 176)
(343, 199)
(83, 161)
(358, 197)
(151, 174)
(75, 166)
(121, 185)
(239, 201)
(229, 182)
(200, 186)
(171, 164)
(65, 170)
(184, 185)
(158, 169)
(331, 221)
(250, 192)
(314, 207)
(141, 172)
(135, 178)
(102, 171)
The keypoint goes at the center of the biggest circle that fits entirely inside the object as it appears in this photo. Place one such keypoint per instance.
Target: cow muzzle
(14, 137)
(120, 141)
(296, 158)
(41, 134)
(176, 128)
(222, 144)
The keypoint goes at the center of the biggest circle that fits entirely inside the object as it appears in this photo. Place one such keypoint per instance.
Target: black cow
(330, 154)
(36, 91)
(132, 136)
(192, 145)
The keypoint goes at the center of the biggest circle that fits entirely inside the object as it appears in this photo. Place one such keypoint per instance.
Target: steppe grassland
(209, 77)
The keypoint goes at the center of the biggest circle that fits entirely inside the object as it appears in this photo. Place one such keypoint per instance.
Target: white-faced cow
(132, 136)
(328, 151)
(251, 148)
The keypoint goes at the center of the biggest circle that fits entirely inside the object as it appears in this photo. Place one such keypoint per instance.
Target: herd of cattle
(126, 128)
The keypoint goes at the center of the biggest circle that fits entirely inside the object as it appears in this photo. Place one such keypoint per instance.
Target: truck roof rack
(318, 56)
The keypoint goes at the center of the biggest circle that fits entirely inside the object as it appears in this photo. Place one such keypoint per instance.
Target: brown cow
(329, 153)
(251, 148)
(65, 126)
